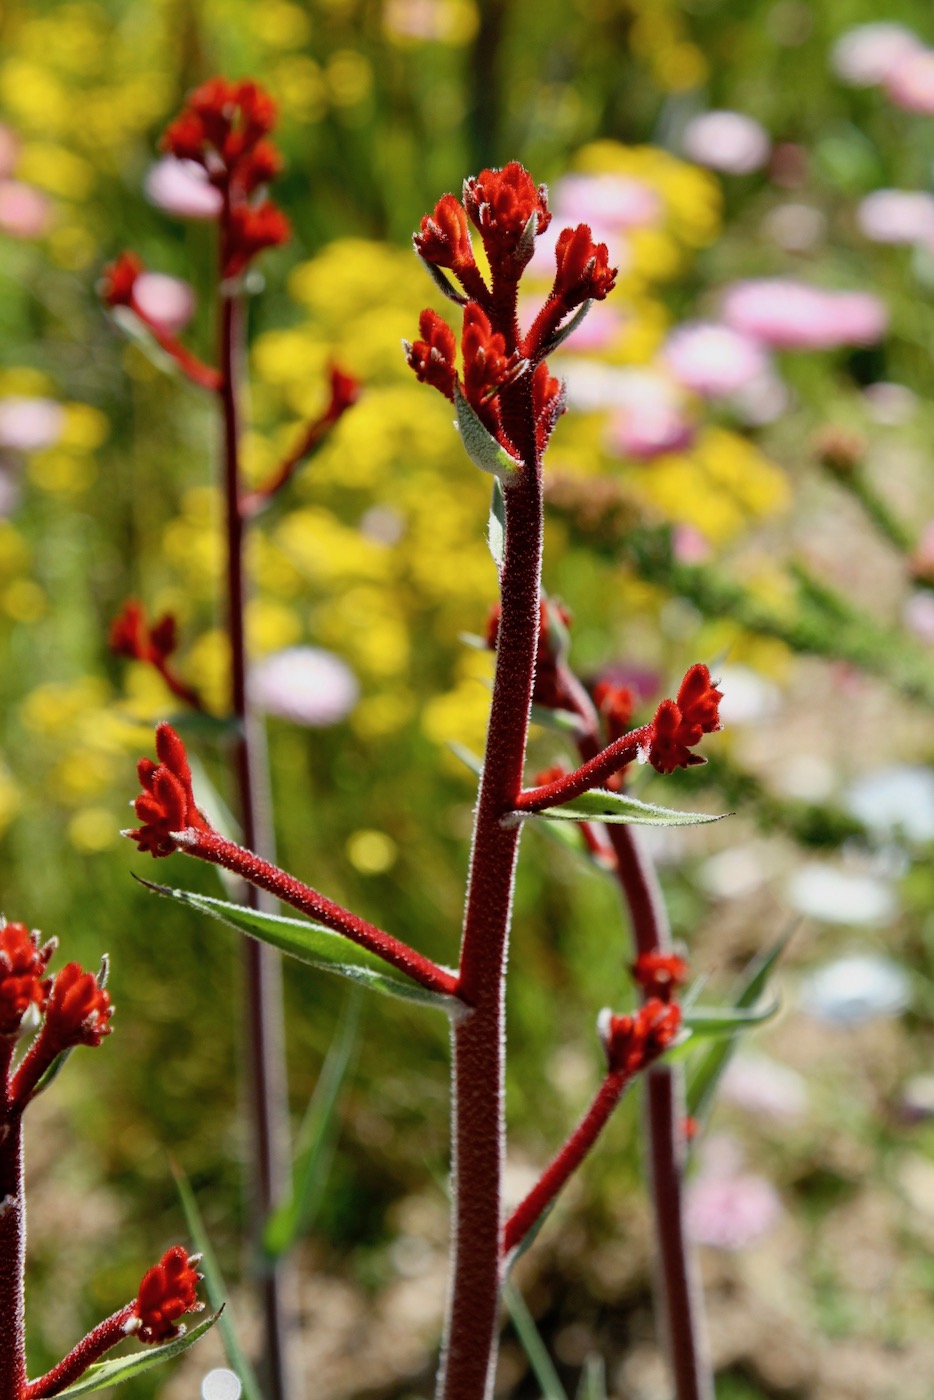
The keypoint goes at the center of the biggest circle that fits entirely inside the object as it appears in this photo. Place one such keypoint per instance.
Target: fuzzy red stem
(470, 1341)
(186, 693)
(12, 1237)
(194, 369)
(211, 846)
(573, 1152)
(590, 774)
(91, 1348)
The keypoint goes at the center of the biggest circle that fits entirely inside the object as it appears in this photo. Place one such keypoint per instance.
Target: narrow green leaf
(466, 756)
(532, 1344)
(568, 329)
(445, 287)
(726, 1020)
(599, 805)
(217, 1291)
(124, 1368)
(593, 1380)
(481, 446)
(200, 724)
(496, 530)
(316, 1141)
(705, 1076)
(564, 721)
(314, 944)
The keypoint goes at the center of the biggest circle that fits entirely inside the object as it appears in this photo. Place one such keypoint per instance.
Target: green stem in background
(264, 1013)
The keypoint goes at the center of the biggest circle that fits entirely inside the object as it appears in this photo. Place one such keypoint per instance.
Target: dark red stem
(12, 1238)
(264, 1012)
(590, 774)
(470, 1342)
(209, 845)
(186, 693)
(567, 1161)
(194, 369)
(91, 1348)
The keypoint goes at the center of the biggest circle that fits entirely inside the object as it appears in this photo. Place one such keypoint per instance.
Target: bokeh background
(743, 477)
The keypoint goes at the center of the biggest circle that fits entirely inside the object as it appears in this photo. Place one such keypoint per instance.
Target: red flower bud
(583, 267)
(22, 964)
(632, 1042)
(78, 1012)
(432, 357)
(679, 725)
(487, 367)
(119, 279)
(500, 204)
(167, 803)
(548, 403)
(166, 1293)
(659, 974)
(133, 637)
(221, 128)
(251, 228)
(345, 391)
(616, 704)
(443, 239)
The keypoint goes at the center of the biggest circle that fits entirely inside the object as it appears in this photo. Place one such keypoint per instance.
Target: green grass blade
(107, 1373)
(593, 1380)
(532, 1344)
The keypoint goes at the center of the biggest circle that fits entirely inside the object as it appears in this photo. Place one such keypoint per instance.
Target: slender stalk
(264, 1015)
(12, 1239)
(470, 1345)
(110, 1333)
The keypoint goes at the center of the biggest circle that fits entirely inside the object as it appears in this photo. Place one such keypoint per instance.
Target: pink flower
(306, 685)
(918, 614)
(897, 216)
(727, 141)
(29, 425)
(689, 545)
(181, 187)
(606, 202)
(713, 360)
(910, 82)
(9, 150)
(867, 54)
(790, 315)
(168, 301)
(24, 212)
(731, 1212)
(649, 430)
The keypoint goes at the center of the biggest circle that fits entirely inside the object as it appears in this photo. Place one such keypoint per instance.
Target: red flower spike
(345, 391)
(443, 238)
(133, 637)
(221, 128)
(166, 1293)
(251, 228)
(487, 367)
(500, 204)
(432, 357)
(633, 1042)
(679, 725)
(167, 802)
(22, 964)
(583, 268)
(78, 1012)
(659, 974)
(118, 280)
(616, 704)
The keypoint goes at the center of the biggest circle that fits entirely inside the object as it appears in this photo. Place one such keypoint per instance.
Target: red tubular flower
(679, 725)
(133, 637)
(632, 1042)
(250, 229)
(443, 238)
(432, 357)
(487, 367)
(22, 964)
(78, 1012)
(548, 403)
(222, 124)
(616, 704)
(345, 391)
(167, 802)
(659, 974)
(166, 1293)
(583, 268)
(500, 204)
(118, 279)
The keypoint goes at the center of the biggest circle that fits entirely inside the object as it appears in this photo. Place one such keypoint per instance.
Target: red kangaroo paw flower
(616, 704)
(659, 974)
(166, 804)
(432, 357)
(22, 984)
(679, 725)
(251, 229)
(166, 1293)
(118, 279)
(443, 238)
(78, 1012)
(632, 1042)
(500, 204)
(583, 268)
(548, 403)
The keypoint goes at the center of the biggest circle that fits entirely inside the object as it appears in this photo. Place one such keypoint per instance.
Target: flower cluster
(167, 1291)
(633, 1042)
(22, 984)
(659, 975)
(166, 805)
(679, 724)
(508, 210)
(153, 643)
(78, 1012)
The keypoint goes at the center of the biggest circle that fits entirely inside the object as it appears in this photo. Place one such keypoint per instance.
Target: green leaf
(314, 944)
(316, 1141)
(481, 446)
(567, 329)
(705, 1076)
(726, 1020)
(496, 530)
(466, 756)
(445, 287)
(532, 1344)
(599, 805)
(564, 721)
(593, 1380)
(124, 1368)
(216, 1289)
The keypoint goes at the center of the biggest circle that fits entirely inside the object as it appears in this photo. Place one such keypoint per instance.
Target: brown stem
(12, 1238)
(470, 1343)
(264, 1013)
